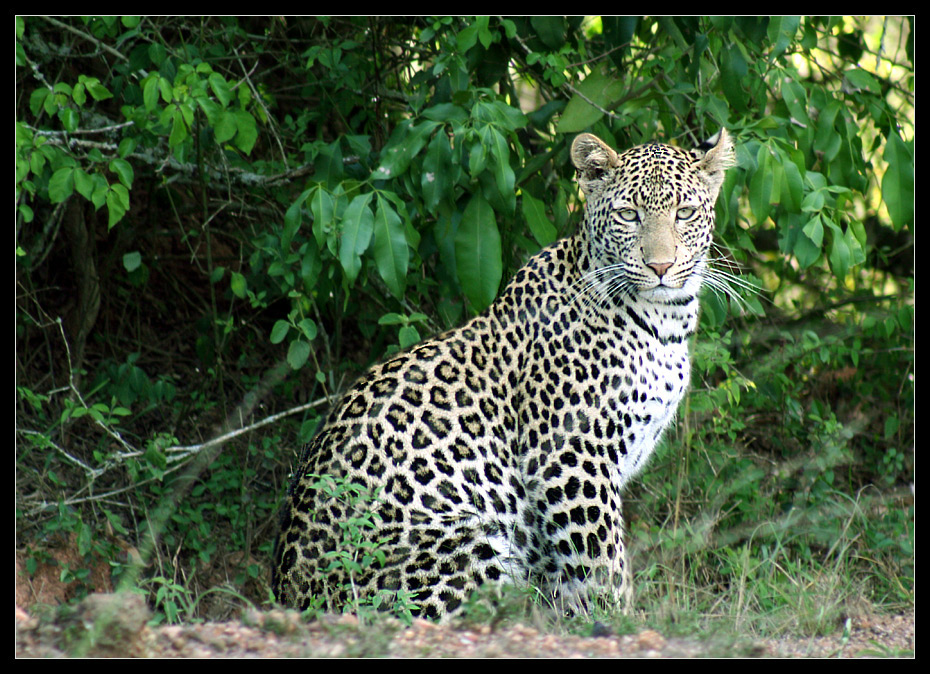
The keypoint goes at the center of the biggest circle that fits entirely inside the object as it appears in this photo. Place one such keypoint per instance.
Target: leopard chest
(605, 391)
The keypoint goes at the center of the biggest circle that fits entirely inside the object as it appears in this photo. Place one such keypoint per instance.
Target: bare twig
(184, 452)
(256, 96)
(90, 38)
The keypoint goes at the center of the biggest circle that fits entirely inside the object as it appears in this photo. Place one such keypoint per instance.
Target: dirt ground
(110, 625)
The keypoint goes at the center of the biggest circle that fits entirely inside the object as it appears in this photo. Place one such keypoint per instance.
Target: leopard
(495, 454)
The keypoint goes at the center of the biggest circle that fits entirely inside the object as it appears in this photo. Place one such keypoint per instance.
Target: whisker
(597, 287)
(733, 286)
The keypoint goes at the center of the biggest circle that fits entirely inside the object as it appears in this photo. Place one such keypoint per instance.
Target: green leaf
(793, 186)
(445, 112)
(898, 181)
(329, 165)
(178, 127)
(220, 88)
(857, 254)
(838, 252)
(478, 253)
(126, 147)
(297, 354)
(248, 131)
(796, 101)
(436, 177)
(499, 114)
(123, 171)
(96, 89)
(860, 79)
(813, 202)
(467, 38)
(79, 95)
(534, 211)
(117, 203)
(166, 90)
(132, 261)
(238, 285)
(391, 252)
(157, 53)
(156, 458)
(61, 185)
(550, 29)
(499, 154)
(601, 89)
(150, 92)
(226, 126)
(761, 185)
(50, 104)
(279, 331)
(392, 318)
(733, 69)
(781, 32)
(827, 140)
(813, 230)
(405, 143)
(69, 118)
(408, 336)
(808, 244)
(211, 109)
(37, 100)
(84, 184)
(477, 156)
(321, 205)
(308, 327)
(293, 216)
(310, 266)
(357, 228)
(101, 187)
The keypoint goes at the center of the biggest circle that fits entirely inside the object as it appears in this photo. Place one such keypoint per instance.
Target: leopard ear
(715, 156)
(592, 158)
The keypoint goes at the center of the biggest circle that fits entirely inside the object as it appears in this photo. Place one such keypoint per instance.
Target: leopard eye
(627, 215)
(685, 213)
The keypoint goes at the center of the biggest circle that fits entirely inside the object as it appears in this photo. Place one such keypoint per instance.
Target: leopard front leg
(580, 561)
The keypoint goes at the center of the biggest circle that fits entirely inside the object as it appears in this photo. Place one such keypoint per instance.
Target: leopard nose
(660, 267)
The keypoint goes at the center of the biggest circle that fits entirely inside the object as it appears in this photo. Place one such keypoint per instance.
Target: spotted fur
(499, 449)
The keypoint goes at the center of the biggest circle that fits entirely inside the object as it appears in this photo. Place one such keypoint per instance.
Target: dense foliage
(221, 219)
